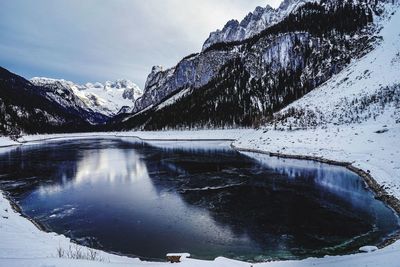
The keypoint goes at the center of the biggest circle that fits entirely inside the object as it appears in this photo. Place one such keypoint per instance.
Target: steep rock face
(253, 23)
(106, 100)
(195, 71)
(243, 82)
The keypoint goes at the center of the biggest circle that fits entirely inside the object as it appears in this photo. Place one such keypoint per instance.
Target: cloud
(95, 40)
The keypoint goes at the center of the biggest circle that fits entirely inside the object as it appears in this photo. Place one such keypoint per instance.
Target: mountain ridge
(273, 68)
(253, 23)
(108, 98)
(228, 85)
(24, 108)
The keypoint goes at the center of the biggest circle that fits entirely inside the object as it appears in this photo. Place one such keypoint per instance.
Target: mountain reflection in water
(205, 199)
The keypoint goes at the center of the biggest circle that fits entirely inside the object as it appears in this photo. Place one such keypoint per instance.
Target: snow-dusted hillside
(367, 90)
(231, 84)
(107, 99)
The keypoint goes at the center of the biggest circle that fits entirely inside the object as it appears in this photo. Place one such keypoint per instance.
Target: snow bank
(374, 153)
(231, 134)
(6, 141)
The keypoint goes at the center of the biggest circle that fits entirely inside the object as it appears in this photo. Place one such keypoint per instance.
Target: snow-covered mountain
(302, 45)
(107, 99)
(45, 105)
(26, 108)
(353, 117)
(290, 51)
(254, 23)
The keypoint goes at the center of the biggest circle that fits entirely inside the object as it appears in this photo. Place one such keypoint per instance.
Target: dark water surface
(143, 200)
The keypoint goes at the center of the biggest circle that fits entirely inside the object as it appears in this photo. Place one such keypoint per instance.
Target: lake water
(202, 198)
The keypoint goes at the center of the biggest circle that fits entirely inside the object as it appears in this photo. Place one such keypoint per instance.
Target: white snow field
(364, 132)
(5, 141)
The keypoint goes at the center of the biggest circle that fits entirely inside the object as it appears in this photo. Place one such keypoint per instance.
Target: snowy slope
(365, 89)
(108, 98)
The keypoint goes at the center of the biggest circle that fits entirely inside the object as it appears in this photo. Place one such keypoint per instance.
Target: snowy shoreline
(353, 260)
(379, 192)
(373, 185)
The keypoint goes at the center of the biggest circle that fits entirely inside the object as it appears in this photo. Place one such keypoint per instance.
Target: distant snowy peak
(131, 90)
(253, 23)
(128, 89)
(108, 98)
(42, 81)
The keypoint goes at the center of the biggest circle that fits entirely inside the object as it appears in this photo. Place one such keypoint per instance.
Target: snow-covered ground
(205, 135)
(6, 141)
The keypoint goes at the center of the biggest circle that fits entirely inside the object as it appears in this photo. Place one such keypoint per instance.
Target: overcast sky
(98, 40)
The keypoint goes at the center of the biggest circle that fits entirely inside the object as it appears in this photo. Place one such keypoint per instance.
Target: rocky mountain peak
(155, 71)
(253, 23)
(107, 98)
(232, 24)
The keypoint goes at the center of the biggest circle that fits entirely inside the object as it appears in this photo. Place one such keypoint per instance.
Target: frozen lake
(208, 200)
